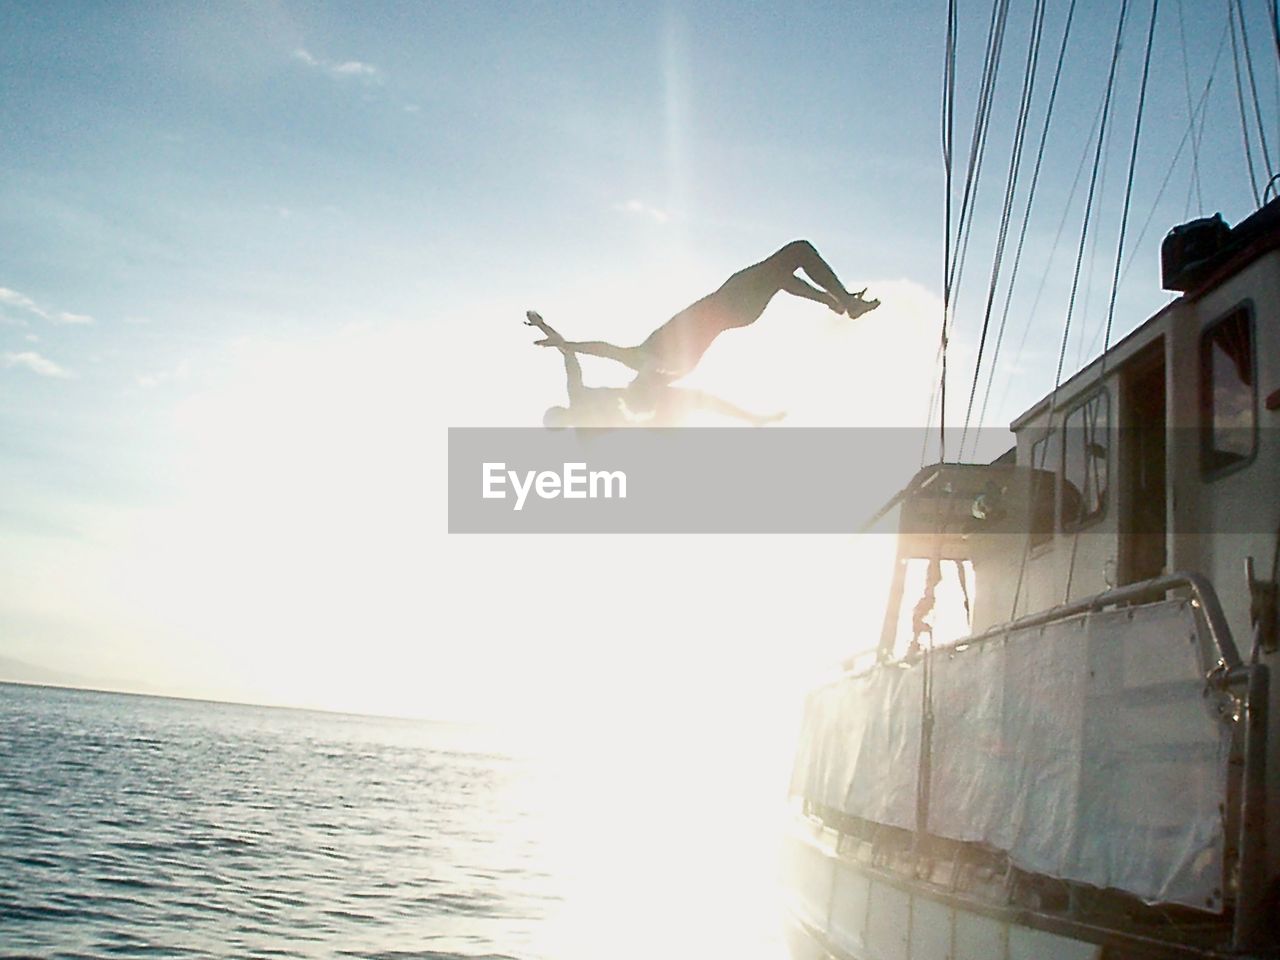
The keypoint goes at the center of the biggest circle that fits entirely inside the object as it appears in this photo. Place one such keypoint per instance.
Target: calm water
(138, 826)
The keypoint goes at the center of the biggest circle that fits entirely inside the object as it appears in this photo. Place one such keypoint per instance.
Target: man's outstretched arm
(572, 369)
(632, 357)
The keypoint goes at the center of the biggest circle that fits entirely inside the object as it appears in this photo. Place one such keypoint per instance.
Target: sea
(138, 826)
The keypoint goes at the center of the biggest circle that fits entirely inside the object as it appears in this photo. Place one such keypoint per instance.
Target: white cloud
(354, 68)
(15, 299)
(343, 70)
(641, 209)
(21, 301)
(37, 364)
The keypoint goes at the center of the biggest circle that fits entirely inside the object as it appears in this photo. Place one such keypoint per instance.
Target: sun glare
(307, 539)
(304, 562)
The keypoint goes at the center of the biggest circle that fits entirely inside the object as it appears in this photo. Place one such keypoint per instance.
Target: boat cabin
(1067, 723)
(1161, 455)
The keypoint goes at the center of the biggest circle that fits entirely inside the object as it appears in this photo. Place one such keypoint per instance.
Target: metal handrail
(1228, 654)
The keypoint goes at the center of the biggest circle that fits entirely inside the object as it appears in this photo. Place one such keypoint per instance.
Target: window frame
(1209, 473)
(1038, 540)
(1105, 507)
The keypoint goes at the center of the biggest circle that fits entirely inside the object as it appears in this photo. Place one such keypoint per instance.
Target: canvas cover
(1086, 749)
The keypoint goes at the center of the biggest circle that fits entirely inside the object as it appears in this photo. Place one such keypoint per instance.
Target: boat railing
(1248, 684)
(1244, 686)
(1224, 671)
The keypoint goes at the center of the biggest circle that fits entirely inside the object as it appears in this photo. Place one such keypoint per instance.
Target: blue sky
(254, 257)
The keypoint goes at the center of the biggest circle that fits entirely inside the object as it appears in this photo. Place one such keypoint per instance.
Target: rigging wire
(1128, 187)
(1010, 191)
(948, 149)
(1275, 63)
(953, 264)
(947, 137)
(924, 774)
(1090, 197)
(933, 405)
(981, 129)
(1053, 252)
(1274, 22)
(948, 152)
(1186, 76)
(1272, 185)
(1244, 118)
(1026, 213)
(1186, 206)
(1275, 26)
(1146, 224)
(1075, 280)
(1193, 134)
(1253, 88)
(1094, 243)
(1199, 115)
(1124, 224)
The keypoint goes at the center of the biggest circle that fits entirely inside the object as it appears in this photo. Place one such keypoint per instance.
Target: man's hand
(552, 339)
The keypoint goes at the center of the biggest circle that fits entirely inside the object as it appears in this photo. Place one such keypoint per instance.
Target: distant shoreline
(100, 691)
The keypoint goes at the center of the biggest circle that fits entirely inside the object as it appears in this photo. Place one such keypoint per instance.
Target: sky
(257, 257)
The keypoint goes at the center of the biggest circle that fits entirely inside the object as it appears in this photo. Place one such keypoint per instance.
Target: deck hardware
(1262, 607)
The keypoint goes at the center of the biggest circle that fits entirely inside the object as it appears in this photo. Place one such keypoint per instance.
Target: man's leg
(800, 288)
(744, 296)
(801, 255)
(676, 347)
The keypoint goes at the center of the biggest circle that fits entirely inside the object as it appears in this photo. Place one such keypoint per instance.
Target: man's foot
(855, 306)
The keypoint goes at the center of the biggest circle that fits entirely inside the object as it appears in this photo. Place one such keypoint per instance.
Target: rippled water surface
(139, 826)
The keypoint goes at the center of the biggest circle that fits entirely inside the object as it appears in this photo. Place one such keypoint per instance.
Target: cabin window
(1085, 462)
(1044, 470)
(1228, 395)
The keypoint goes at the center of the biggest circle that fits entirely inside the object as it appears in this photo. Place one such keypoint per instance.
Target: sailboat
(1090, 766)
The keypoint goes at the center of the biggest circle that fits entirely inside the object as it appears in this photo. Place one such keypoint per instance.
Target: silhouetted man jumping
(675, 348)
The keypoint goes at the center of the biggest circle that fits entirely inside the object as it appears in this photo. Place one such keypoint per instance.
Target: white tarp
(1085, 749)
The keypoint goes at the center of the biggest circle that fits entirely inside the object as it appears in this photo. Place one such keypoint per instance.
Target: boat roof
(1252, 238)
